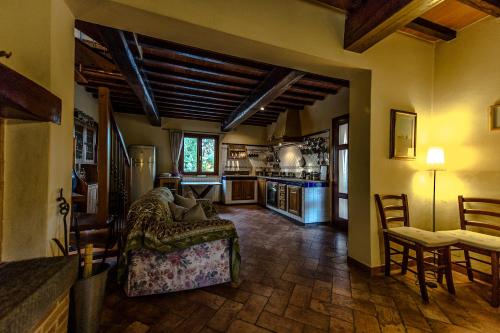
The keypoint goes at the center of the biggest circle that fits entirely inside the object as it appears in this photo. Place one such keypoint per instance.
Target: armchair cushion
(422, 237)
(474, 239)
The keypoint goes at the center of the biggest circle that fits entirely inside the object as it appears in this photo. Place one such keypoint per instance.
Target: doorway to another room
(340, 164)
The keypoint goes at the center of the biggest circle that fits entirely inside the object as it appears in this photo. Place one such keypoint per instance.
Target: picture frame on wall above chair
(403, 137)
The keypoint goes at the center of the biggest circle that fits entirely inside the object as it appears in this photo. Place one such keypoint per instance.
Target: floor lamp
(435, 161)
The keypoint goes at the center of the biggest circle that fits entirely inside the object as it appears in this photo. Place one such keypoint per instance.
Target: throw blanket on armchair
(150, 225)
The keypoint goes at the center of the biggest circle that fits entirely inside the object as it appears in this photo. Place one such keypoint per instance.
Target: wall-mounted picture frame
(495, 117)
(403, 139)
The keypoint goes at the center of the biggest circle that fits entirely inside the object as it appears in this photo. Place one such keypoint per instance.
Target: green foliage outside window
(190, 154)
(207, 155)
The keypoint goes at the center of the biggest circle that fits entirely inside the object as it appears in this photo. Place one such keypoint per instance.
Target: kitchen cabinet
(261, 192)
(295, 200)
(172, 183)
(243, 190)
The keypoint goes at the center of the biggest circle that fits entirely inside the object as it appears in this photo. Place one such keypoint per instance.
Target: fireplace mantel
(21, 98)
(30, 288)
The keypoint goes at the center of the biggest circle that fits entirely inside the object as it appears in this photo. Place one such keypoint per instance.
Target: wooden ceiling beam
(276, 83)
(196, 91)
(162, 77)
(117, 46)
(88, 57)
(177, 99)
(490, 7)
(204, 53)
(376, 19)
(101, 74)
(432, 29)
(155, 65)
(196, 97)
(285, 104)
(296, 99)
(206, 62)
(182, 115)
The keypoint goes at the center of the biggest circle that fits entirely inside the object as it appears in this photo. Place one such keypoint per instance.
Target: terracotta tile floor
(296, 279)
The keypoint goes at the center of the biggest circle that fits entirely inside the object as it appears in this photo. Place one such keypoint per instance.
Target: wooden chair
(476, 215)
(413, 239)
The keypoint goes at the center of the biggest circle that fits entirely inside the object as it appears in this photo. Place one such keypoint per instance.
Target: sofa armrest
(208, 207)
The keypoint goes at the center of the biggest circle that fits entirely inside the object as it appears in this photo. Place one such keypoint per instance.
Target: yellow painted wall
(84, 101)
(37, 155)
(467, 83)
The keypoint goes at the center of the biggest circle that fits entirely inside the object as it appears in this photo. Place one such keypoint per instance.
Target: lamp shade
(435, 157)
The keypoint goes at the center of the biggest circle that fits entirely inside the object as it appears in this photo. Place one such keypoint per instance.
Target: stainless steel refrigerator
(143, 169)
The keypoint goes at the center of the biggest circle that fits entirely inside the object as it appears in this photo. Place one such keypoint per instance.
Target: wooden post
(103, 154)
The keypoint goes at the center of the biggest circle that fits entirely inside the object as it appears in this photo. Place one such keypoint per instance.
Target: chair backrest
(393, 204)
(479, 213)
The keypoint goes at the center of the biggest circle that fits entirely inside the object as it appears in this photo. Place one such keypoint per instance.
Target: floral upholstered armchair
(162, 255)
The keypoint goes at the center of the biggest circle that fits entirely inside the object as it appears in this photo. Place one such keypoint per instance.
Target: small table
(200, 195)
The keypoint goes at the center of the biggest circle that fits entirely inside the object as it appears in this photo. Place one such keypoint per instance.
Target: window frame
(199, 138)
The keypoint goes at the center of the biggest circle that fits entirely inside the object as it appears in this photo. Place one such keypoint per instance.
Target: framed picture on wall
(495, 117)
(403, 140)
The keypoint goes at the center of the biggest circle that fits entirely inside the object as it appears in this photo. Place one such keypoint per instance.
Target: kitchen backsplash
(290, 157)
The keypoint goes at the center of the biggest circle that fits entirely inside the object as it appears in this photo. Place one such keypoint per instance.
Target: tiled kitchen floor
(296, 279)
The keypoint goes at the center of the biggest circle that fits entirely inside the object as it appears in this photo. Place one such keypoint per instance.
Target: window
(200, 154)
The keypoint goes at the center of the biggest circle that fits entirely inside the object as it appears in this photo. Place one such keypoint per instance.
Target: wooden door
(249, 189)
(236, 190)
(340, 162)
(261, 189)
(295, 200)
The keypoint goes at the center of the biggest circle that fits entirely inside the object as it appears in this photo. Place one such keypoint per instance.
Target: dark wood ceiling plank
(285, 104)
(195, 97)
(191, 116)
(316, 80)
(177, 108)
(275, 84)
(155, 65)
(197, 106)
(88, 57)
(101, 74)
(296, 99)
(204, 53)
(168, 78)
(432, 29)
(194, 102)
(490, 7)
(206, 62)
(196, 91)
(376, 19)
(118, 47)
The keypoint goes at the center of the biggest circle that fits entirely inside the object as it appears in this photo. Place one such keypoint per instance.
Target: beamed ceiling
(369, 21)
(190, 83)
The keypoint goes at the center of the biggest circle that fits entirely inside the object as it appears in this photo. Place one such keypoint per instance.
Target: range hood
(287, 128)
(21, 98)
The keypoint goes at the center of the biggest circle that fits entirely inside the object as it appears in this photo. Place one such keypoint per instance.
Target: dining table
(200, 188)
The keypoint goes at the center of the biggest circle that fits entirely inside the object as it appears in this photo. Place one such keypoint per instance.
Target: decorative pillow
(177, 211)
(195, 213)
(184, 202)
